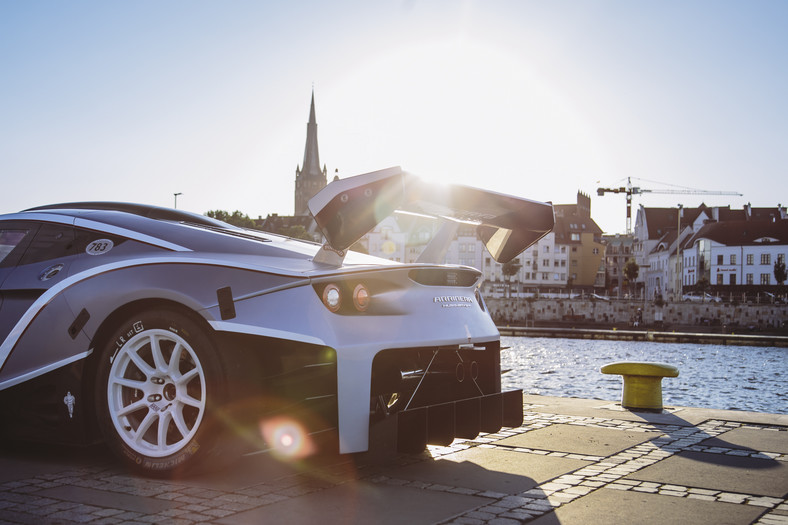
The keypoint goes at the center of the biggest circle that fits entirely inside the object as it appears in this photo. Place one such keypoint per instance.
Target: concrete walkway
(572, 461)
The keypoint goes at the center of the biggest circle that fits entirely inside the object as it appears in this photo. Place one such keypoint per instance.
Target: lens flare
(287, 438)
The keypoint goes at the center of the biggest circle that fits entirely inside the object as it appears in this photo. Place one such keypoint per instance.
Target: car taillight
(332, 297)
(361, 297)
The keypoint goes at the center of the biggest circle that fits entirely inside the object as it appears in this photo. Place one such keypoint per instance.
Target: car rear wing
(347, 209)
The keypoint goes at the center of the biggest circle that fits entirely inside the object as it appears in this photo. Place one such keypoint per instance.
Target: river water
(710, 376)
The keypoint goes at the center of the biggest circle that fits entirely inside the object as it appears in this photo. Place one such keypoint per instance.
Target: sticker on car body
(99, 247)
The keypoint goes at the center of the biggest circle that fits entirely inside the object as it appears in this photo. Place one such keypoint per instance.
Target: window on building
(555, 263)
(574, 262)
(765, 278)
(595, 251)
(575, 236)
(556, 277)
(749, 278)
(563, 263)
(750, 259)
(563, 249)
(574, 249)
(719, 278)
(733, 258)
(545, 276)
(732, 279)
(720, 260)
(766, 258)
(546, 249)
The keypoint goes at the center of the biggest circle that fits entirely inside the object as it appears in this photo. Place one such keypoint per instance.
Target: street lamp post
(176, 199)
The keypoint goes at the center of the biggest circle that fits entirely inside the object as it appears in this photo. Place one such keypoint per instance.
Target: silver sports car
(161, 331)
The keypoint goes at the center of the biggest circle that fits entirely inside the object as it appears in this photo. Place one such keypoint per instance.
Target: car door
(39, 261)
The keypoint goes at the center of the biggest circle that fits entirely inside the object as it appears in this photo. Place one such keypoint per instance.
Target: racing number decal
(99, 247)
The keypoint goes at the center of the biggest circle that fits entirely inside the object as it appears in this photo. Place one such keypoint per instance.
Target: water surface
(710, 376)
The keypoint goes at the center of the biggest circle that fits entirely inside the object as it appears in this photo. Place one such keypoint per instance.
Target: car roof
(143, 210)
(181, 228)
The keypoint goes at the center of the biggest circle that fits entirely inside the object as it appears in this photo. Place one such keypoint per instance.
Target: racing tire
(158, 387)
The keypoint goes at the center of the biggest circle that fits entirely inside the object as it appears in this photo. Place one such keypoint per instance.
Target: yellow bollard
(642, 383)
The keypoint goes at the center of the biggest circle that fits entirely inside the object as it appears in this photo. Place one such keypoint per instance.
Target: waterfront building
(618, 250)
(673, 247)
(579, 239)
(736, 257)
(656, 246)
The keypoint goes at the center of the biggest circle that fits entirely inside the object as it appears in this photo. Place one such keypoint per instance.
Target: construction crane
(630, 190)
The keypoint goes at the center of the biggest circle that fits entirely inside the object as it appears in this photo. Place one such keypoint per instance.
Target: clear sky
(135, 101)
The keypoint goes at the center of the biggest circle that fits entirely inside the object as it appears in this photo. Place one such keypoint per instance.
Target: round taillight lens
(332, 297)
(361, 297)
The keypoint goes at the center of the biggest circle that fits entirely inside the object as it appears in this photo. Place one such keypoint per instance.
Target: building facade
(736, 256)
(723, 250)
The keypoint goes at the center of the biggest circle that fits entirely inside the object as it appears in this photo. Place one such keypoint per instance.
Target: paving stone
(363, 503)
(106, 499)
(751, 439)
(579, 439)
(497, 470)
(610, 506)
(720, 472)
(673, 493)
(465, 520)
(503, 521)
(518, 514)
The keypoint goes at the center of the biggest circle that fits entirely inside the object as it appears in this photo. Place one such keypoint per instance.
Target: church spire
(310, 178)
(311, 164)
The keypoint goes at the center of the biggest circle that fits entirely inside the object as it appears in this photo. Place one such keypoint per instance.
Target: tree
(702, 285)
(631, 272)
(509, 269)
(780, 274)
(298, 232)
(236, 218)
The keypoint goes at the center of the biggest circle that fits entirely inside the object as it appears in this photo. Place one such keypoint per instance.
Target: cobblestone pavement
(555, 468)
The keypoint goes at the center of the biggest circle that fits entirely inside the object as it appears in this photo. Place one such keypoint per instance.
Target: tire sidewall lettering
(135, 328)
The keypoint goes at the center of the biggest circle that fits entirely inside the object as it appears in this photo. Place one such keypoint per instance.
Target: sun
(465, 111)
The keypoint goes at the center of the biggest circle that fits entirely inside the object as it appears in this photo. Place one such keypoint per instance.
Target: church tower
(309, 177)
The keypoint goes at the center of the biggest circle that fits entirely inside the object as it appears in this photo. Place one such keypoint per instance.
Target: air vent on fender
(444, 276)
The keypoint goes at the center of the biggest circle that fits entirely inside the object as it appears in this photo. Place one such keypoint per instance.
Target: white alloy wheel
(156, 393)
